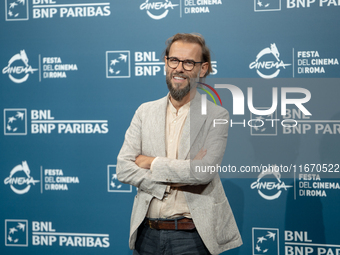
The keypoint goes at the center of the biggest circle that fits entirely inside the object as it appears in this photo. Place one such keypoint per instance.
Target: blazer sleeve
(196, 172)
(127, 171)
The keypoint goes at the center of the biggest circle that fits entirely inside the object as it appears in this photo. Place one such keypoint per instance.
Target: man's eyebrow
(184, 59)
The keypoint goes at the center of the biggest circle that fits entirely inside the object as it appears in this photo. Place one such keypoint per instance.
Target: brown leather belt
(173, 224)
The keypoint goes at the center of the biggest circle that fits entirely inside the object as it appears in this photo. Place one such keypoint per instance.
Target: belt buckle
(150, 224)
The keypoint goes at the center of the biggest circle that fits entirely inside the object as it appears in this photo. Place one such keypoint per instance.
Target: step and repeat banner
(74, 72)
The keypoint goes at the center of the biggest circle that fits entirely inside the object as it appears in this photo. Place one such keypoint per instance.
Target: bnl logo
(15, 121)
(265, 241)
(118, 64)
(16, 233)
(113, 185)
(267, 5)
(263, 125)
(16, 10)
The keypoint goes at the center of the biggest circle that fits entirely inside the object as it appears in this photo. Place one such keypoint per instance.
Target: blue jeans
(168, 242)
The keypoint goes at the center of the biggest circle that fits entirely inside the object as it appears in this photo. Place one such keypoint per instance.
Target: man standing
(180, 207)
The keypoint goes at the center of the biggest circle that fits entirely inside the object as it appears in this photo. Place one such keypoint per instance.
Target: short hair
(191, 38)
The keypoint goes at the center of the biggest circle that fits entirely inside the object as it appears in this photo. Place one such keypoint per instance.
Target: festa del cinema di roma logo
(264, 67)
(19, 177)
(157, 10)
(18, 69)
(273, 188)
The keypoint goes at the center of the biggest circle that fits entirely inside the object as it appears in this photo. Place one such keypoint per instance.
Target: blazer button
(146, 202)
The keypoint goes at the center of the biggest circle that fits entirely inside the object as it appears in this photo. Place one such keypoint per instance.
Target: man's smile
(179, 78)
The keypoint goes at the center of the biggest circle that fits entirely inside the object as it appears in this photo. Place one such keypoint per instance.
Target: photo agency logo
(267, 5)
(16, 233)
(16, 10)
(283, 110)
(263, 119)
(118, 64)
(157, 9)
(204, 97)
(20, 179)
(238, 100)
(18, 69)
(265, 241)
(15, 121)
(268, 63)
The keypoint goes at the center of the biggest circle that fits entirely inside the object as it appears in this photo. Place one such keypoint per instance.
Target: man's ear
(204, 69)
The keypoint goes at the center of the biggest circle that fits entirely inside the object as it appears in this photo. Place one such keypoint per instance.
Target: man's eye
(188, 63)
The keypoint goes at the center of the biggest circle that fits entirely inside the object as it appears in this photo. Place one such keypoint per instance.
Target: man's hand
(144, 161)
(200, 155)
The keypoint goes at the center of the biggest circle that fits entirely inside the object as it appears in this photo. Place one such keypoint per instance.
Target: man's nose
(180, 67)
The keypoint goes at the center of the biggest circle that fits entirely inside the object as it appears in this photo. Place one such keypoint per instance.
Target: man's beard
(176, 93)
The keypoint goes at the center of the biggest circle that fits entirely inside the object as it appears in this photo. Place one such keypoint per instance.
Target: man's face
(178, 79)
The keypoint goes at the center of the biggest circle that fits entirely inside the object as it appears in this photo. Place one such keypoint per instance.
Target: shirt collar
(184, 108)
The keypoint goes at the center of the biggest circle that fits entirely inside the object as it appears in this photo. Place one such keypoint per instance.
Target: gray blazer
(204, 192)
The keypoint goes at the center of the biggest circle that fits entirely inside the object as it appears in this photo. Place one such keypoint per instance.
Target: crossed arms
(135, 157)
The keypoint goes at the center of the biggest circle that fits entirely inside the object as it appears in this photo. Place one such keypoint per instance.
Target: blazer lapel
(192, 126)
(157, 127)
